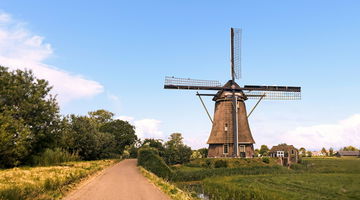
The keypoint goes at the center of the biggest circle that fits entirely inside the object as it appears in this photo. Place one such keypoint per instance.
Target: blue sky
(115, 55)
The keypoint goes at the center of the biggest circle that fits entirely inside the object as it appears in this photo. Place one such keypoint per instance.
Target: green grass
(171, 190)
(315, 178)
(200, 174)
(46, 182)
(332, 165)
(285, 186)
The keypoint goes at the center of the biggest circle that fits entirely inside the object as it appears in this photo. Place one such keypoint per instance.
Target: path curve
(122, 181)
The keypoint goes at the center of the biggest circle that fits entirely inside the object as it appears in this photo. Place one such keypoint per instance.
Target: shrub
(220, 164)
(149, 159)
(266, 160)
(54, 157)
(196, 175)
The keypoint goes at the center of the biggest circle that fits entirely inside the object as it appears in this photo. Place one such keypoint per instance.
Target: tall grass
(174, 192)
(285, 186)
(54, 157)
(45, 182)
(199, 174)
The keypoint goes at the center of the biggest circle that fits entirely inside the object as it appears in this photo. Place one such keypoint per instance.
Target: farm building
(287, 154)
(347, 153)
(317, 153)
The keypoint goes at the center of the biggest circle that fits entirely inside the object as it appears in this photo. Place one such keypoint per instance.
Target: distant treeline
(32, 128)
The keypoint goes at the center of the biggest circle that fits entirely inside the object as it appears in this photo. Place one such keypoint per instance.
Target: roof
(282, 147)
(221, 94)
(348, 153)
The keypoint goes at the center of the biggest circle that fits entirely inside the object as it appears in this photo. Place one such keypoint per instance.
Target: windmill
(230, 134)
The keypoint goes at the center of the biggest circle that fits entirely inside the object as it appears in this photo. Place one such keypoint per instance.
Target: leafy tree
(324, 152)
(106, 145)
(176, 152)
(123, 132)
(155, 143)
(195, 155)
(256, 153)
(349, 148)
(82, 137)
(14, 141)
(28, 103)
(309, 154)
(264, 150)
(101, 116)
(331, 151)
(302, 151)
(203, 152)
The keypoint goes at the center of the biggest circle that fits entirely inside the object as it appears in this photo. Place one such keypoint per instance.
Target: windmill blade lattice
(236, 40)
(273, 95)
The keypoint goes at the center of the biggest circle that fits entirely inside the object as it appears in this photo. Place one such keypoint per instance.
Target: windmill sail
(191, 84)
(236, 34)
(272, 92)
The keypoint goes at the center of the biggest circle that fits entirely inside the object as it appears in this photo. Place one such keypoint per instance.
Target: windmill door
(242, 151)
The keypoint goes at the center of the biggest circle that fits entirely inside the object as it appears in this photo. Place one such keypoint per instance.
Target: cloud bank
(145, 128)
(21, 49)
(343, 133)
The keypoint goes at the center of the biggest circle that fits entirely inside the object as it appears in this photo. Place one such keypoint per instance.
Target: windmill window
(226, 148)
(241, 148)
(226, 127)
(280, 154)
(292, 151)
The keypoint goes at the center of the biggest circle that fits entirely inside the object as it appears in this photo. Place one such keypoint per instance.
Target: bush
(220, 164)
(149, 159)
(266, 160)
(197, 175)
(54, 157)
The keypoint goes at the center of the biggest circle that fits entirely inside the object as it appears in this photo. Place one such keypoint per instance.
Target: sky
(114, 55)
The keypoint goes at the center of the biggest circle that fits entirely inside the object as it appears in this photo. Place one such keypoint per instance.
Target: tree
(256, 153)
(203, 152)
(123, 132)
(331, 151)
(82, 137)
(14, 141)
(309, 153)
(324, 152)
(155, 143)
(195, 155)
(176, 152)
(264, 150)
(349, 148)
(302, 151)
(101, 116)
(28, 103)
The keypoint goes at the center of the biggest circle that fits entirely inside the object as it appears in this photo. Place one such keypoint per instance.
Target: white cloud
(197, 141)
(21, 49)
(145, 128)
(148, 128)
(345, 132)
(126, 118)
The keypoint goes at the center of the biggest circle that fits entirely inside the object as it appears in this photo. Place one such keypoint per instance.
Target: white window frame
(280, 153)
(242, 147)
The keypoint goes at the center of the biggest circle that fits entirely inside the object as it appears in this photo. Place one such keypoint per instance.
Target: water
(194, 187)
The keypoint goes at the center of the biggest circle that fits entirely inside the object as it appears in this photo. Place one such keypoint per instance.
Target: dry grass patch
(46, 182)
(168, 188)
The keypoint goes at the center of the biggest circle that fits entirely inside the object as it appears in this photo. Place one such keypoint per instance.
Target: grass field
(315, 178)
(46, 182)
(285, 186)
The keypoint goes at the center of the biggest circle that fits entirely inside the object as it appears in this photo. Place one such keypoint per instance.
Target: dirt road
(121, 181)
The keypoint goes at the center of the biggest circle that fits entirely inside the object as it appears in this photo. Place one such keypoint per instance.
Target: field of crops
(46, 182)
(315, 178)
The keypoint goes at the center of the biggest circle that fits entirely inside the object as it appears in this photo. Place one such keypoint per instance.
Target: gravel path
(121, 181)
